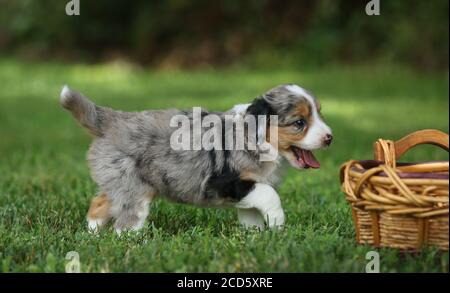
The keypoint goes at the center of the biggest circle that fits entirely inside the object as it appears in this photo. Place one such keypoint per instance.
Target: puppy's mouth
(305, 159)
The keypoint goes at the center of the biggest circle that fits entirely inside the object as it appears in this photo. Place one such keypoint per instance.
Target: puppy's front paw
(250, 218)
(275, 218)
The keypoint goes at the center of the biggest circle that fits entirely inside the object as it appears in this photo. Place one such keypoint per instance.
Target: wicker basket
(400, 205)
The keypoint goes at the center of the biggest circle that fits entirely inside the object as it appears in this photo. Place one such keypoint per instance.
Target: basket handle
(389, 151)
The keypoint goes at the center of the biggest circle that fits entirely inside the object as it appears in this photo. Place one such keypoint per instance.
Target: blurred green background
(262, 33)
(378, 76)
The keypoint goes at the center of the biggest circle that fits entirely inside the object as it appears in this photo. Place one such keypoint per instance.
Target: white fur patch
(266, 201)
(95, 224)
(65, 96)
(318, 129)
(65, 93)
(250, 218)
(240, 109)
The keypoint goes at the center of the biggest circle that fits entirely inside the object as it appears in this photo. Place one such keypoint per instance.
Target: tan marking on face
(302, 109)
(100, 206)
(290, 135)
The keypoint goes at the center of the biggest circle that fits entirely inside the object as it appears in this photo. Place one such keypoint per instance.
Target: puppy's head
(300, 127)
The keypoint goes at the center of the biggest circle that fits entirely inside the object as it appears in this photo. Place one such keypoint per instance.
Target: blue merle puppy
(132, 161)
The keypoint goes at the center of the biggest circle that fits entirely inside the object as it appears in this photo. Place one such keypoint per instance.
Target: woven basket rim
(369, 164)
(377, 163)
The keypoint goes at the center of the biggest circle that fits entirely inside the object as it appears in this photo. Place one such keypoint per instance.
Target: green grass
(45, 187)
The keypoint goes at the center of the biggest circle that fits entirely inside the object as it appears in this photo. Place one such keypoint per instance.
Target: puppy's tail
(91, 116)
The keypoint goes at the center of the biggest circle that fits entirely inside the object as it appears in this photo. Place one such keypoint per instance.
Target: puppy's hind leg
(99, 212)
(130, 213)
(118, 176)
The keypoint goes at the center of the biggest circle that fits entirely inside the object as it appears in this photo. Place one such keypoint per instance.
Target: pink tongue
(310, 160)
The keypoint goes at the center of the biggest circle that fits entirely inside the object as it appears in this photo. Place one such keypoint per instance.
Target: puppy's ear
(261, 107)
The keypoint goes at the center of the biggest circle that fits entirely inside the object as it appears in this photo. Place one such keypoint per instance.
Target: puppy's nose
(328, 139)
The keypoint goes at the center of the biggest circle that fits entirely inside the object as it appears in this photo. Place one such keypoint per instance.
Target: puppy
(132, 161)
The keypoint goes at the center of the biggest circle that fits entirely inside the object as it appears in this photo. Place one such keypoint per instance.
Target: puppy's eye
(300, 124)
